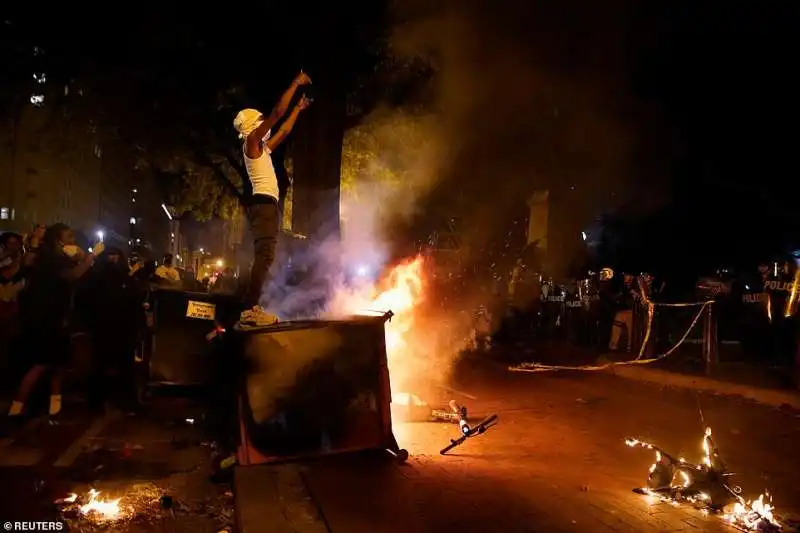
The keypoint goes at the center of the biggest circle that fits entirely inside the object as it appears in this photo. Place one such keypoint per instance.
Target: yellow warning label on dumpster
(201, 310)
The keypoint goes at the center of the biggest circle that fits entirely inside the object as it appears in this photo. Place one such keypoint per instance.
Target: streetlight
(220, 262)
(202, 251)
(133, 220)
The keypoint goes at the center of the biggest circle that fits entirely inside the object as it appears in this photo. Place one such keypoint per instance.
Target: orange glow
(402, 295)
(401, 291)
(422, 341)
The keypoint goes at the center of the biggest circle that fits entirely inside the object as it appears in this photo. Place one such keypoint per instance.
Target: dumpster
(179, 352)
(313, 388)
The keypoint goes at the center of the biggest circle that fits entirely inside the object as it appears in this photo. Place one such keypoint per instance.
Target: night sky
(671, 117)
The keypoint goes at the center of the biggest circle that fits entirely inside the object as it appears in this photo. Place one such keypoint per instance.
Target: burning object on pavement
(706, 486)
(140, 503)
(92, 506)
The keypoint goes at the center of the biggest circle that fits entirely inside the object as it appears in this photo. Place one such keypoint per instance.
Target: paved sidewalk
(556, 462)
(755, 382)
(138, 459)
(775, 397)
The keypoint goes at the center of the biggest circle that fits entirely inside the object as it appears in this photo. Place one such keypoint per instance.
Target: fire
(401, 291)
(676, 481)
(103, 509)
(95, 508)
(754, 515)
(707, 447)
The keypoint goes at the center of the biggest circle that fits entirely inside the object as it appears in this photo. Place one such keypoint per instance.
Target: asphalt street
(157, 464)
(556, 461)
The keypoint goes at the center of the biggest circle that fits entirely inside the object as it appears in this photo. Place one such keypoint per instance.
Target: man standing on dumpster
(255, 130)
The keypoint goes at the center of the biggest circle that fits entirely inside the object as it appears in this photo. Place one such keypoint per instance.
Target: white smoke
(389, 161)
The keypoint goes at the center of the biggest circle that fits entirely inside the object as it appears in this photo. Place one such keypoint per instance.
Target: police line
(536, 367)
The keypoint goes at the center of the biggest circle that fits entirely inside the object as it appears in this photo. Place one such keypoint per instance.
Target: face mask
(70, 249)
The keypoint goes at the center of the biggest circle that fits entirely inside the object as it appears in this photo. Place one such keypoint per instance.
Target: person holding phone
(258, 143)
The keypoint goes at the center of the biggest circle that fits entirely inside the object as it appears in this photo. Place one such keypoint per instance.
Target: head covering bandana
(246, 121)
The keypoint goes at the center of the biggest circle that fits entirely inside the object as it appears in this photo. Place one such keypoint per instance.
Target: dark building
(151, 221)
(56, 170)
(57, 163)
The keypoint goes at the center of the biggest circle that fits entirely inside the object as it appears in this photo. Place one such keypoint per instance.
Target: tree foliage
(382, 150)
(168, 91)
(187, 143)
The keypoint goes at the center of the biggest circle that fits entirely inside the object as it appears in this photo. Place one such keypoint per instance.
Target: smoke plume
(531, 96)
(511, 114)
(389, 162)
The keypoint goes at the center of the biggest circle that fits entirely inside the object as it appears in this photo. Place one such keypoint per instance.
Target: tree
(382, 150)
(173, 103)
(169, 90)
(188, 144)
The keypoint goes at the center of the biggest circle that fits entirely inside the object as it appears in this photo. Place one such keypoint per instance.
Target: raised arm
(77, 272)
(279, 110)
(286, 128)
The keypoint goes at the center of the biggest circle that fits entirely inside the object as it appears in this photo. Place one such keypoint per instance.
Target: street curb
(776, 398)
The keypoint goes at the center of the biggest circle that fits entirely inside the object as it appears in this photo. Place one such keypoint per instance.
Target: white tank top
(262, 174)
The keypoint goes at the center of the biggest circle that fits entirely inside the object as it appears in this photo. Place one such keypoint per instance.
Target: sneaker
(257, 317)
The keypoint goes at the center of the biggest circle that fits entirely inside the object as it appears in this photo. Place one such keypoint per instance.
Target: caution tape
(688, 304)
(536, 367)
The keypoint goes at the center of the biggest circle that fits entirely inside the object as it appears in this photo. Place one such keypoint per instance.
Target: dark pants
(264, 220)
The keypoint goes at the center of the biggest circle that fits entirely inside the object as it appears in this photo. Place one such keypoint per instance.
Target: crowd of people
(52, 291)
(607, 311)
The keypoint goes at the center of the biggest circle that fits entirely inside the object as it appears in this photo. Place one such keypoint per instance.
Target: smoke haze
(530, 96)
(524, 98)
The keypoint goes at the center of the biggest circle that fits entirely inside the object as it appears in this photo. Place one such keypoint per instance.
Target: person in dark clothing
(779, 288)
(12, 282)
(115, 319)
(44, 309)
(32, 243)
(624, 315)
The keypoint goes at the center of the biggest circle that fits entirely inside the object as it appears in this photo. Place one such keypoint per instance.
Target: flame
(401, 291)
(103, 509)
(69, 498)
(746, 514)
(753, 514)
(707, 447)
(403, 294)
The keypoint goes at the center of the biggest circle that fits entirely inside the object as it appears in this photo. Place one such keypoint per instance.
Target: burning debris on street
(93, 508)
(705, 486)
(141, 503)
